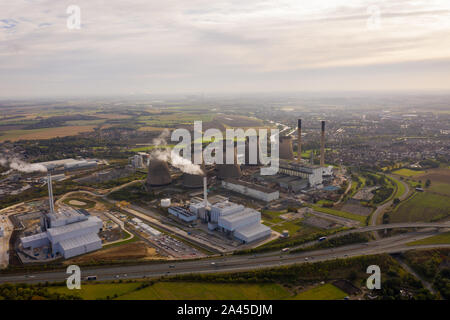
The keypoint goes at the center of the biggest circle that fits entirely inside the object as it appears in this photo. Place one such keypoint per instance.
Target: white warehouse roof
(91, 222)
(252, 232)
(79, 241)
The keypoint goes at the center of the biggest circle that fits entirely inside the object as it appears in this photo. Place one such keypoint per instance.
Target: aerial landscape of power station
(286, 183)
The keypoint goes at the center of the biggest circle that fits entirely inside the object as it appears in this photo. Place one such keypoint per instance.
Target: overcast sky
(201, 46)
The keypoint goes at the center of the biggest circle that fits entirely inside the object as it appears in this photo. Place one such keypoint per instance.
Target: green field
(408, 172)
(323, 292)
(439, 239)
(208, 291)
(342, 214)
(440, 188)
(148, 148)
(199, 290)
(98, 291)
(423, 206)
(400, 188)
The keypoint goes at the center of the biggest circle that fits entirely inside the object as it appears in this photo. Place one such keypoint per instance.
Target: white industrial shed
(252, 233)
(79, 245)
(35, 241)
(92, 225)
(224, 209)
(238, 220)
(69, 240)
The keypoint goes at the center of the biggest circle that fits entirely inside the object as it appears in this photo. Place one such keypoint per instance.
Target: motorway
(231, 263)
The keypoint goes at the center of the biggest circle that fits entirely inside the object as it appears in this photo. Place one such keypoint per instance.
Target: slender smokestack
(205, 190)
(299, 141)
(322, 145)
(205, 182)
(50, 193)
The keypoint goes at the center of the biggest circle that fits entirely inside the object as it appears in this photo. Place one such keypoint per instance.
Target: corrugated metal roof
(247, 212)
(252, 230)
(92, 221)
(79, 241)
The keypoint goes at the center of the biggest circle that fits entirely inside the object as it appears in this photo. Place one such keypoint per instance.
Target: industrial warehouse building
(252, 233)
(313, 174)
(251, 190)
(183, 214)
(69, 164)
(70, 233)
(243, 223)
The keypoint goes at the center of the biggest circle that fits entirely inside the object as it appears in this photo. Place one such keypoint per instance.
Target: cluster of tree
(116, 182)
(58, 121)
(134, 192)
(31, 292)
(442, 283)
(342, 268)
(433, 266)
(382, 194)
(73, 146)
(372, 179)
(429, 164)
(347, 239)
(288, 242)
(404, 288)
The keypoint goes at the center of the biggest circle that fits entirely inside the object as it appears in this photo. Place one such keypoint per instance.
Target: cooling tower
(158, 173)
(286, 150)
(299, 141)
(322, 145)
(225, 171)
(193, 180)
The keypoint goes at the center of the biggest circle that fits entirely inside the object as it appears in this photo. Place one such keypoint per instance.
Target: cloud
(178, 45)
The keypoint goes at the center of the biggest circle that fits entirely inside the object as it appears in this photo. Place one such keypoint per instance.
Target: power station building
(68, 231)
(241, 222)
(70, 234)
(313, 174)
(251, 190)
(183, 214)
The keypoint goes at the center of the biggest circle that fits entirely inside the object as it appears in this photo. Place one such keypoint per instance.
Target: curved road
(383, 207)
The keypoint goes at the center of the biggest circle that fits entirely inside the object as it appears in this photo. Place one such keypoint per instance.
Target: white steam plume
(185, 165)
(19, 165)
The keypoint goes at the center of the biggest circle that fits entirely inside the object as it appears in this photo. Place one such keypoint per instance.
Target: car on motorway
(285, 250)
(172, 266)
(322, 239)
(213, 263)
(306, 258)
(91, 278)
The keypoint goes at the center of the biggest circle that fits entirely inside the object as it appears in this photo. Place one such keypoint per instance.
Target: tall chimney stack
(322, 145)
(299, 141)
(205, 182)
(50, 193)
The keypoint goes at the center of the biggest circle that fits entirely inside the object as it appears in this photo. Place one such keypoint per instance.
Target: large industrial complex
(67, 231)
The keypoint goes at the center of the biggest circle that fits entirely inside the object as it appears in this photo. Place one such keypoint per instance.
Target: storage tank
(158, 173)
